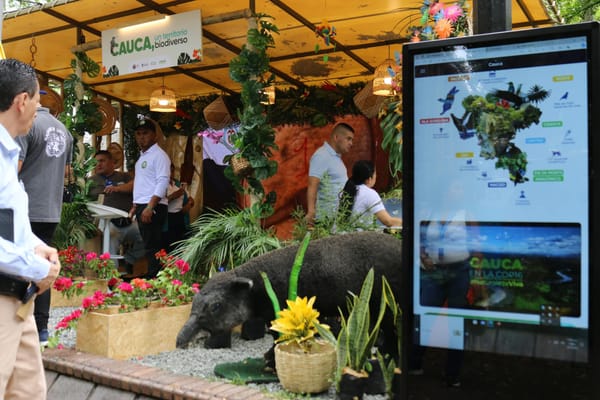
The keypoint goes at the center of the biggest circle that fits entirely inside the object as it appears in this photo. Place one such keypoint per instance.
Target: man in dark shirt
(116, 189)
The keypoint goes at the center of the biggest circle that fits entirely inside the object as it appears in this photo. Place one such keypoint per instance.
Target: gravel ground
(198, 361)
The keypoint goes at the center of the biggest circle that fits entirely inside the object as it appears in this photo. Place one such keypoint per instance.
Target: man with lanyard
(27, 265)
(152, 172)
(327, 174)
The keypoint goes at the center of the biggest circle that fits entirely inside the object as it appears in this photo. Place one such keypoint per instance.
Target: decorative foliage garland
(255, 139)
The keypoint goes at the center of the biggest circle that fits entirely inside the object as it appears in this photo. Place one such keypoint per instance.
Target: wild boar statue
(332, 267)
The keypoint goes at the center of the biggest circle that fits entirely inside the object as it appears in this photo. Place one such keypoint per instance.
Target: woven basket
(368, 103)
(217, 114)
(301, 372)
(240, 166)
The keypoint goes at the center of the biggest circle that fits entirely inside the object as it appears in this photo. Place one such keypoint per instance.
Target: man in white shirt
(152, 172)
(25, 261)
(327, 174)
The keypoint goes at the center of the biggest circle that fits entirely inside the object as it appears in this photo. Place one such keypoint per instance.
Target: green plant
(72, 262)
(81, 113)
(224, 240)
(255, 139)
(391, 125)
(83, 165)
(294, 275)
(101, 265)
(67, 287)
(297, 323)
(75, 226)
(359, 332)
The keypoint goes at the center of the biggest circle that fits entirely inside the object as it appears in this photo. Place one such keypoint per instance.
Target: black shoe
(43, 335)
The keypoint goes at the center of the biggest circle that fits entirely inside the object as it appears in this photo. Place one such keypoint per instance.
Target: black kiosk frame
(501, 193)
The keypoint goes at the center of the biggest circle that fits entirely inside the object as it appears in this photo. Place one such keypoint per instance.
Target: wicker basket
(301, 372)
(217, 114)
(368, 103)
(240, 166)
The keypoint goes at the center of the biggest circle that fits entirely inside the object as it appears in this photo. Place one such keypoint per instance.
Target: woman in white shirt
(359, 196)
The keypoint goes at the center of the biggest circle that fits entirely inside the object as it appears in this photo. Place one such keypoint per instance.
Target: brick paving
(75, 375)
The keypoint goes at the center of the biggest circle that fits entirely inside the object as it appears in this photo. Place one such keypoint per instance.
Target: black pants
(176, 230)
(41, 310)
(152, 235)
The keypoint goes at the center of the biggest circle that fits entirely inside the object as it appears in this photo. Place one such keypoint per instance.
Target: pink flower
(453, 13)
(90, 256)
(88, 302)
(183, 266)
(435, 8)
(80, 284)
(176, 282)
(105, 256)
(125, 287)
(63, 324)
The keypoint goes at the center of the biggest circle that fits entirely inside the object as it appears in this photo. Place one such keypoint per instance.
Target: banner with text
(165, 42)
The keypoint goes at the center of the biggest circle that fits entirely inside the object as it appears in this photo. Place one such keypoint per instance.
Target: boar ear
(241, 283)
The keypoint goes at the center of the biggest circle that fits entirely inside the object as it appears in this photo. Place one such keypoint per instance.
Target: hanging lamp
(268, 95)
(382, 79)
(163, 99)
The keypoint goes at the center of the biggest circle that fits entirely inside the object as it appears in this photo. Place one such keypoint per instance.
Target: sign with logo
(165, 42)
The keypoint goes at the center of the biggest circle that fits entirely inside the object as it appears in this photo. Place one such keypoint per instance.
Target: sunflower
(297, 322)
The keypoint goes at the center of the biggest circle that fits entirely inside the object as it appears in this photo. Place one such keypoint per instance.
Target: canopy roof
(367, 31)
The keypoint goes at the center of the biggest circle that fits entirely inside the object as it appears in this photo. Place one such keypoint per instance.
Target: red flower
(62, 283)
(105, 256)
(125, 287)
(90, 256)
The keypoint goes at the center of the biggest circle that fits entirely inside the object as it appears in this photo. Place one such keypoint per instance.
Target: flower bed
(88, 288)
(132, 334)
(133, 318)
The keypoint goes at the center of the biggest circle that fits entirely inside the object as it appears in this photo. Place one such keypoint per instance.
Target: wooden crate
(57, 299)
(125, 335)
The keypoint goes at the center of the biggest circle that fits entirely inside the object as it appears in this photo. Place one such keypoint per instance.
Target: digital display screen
(500, 190)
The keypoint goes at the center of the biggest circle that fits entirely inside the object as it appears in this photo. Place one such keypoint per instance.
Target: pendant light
(163, 99)
(268, 95)
(382, 78)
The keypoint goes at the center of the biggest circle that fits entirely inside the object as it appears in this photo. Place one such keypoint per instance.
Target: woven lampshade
(163, 100)
(268, 95)
(382, 80)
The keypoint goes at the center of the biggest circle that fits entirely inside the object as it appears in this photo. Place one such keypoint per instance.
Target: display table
(105, 214)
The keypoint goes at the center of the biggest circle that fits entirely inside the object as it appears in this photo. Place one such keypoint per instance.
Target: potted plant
(81, 275)
(115, 323)
(357, 337)
(304, 364)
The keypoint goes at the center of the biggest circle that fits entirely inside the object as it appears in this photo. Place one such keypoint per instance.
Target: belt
(16, 288)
